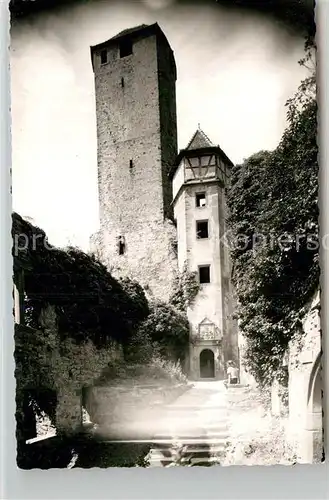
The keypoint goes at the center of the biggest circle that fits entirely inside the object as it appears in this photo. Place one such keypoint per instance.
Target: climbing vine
(274, 219)
(186, 287)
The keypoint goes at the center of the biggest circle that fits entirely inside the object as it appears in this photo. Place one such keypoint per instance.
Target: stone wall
(57, 366)
(150, 256)
(69, 411)
(130, 410)
(305, 387)
(245, 377)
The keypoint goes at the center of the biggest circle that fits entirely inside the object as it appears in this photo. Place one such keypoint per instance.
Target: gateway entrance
(207, 364)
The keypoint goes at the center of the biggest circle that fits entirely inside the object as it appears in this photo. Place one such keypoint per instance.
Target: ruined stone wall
(59, 366)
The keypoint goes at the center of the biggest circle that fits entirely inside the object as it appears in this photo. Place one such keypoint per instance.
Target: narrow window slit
(121, 245)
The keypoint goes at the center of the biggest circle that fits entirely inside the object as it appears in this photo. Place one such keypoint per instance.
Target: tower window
(131, 164)
(202, 229)
(204, 274)
(126, 48)
(121, 245)
(103, 56)
(200, 199)
(122, 82)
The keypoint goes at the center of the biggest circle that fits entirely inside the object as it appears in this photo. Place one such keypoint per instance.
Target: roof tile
(199, 140)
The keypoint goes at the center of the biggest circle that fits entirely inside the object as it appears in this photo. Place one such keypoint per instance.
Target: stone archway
(207, 364)
(314, 424)
(313, 385)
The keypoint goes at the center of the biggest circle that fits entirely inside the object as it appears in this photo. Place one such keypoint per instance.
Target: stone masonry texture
(137, 144)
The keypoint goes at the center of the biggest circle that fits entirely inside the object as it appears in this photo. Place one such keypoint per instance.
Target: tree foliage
(274, 219)
(167, 329)
(89, 302)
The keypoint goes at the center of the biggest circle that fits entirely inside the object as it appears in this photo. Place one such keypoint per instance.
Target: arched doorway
(207, 364)
(314, 449)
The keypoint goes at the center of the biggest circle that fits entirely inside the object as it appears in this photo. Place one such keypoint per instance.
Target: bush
(168, 330)
(167, 369)
(140, 349)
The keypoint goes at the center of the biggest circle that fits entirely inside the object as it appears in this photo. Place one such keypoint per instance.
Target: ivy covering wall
(274, 242)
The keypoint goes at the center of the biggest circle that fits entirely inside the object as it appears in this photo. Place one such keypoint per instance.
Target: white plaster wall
(178, 179)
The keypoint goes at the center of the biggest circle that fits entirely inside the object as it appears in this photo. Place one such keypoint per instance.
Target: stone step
(192, 452)
(194, 441)
(201, 461)
(190, 448)
(210, 450)
(222, 424)
(197, 422)
(219, 434)
(189, 437)
(197, 461)
(198, 409)
(195, 430)
(205, 452)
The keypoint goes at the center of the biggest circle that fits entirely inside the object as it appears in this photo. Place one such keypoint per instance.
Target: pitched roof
(128, 31)
(199, 144)
(140, 30)
(199, 140)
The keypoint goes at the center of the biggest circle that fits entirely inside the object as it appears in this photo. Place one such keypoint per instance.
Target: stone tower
(200, 176)
(135, 87)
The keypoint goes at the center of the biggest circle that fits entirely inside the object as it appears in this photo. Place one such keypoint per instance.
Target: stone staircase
(193, 434)
(187, 451)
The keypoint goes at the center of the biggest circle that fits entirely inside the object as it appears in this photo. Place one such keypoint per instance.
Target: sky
(235, 71)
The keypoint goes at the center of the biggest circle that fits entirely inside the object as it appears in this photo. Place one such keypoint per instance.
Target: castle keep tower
(135, 79)
(201, 173)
